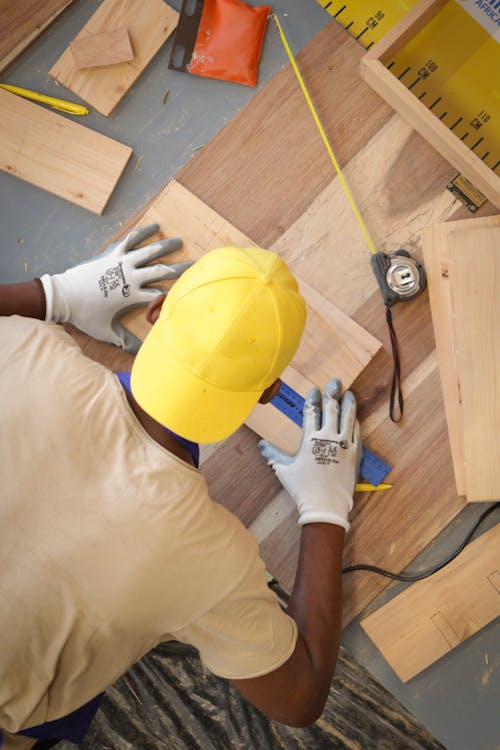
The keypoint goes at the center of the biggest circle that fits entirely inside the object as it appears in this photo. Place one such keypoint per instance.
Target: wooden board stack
(463, 269)
(148, 25)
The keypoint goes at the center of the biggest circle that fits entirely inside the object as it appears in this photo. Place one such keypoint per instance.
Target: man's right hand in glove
(321, 479)
(322, 475)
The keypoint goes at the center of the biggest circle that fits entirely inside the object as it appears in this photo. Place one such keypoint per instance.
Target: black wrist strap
(396, 374)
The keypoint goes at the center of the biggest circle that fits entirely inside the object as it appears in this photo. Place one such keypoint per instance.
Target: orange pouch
(228, 42)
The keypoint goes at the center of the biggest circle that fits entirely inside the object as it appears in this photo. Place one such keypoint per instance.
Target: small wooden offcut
(108, 48)
(148, 24)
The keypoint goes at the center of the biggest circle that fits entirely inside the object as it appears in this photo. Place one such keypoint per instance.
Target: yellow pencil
(367, 487)
(61, 104)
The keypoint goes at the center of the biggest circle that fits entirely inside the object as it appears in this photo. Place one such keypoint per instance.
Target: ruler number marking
(426, 70)
(480, 119)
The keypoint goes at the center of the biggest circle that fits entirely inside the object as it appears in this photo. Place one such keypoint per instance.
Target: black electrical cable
(284, 595)
(419, 576)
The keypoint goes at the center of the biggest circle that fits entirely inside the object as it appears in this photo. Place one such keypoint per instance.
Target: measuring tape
(291, 404)
(452, 65)
(400, 277)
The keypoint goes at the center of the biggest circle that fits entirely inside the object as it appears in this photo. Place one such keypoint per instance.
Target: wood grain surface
(437, 248)
(267, 173)
(59, 155)
(148, 24)
(21, 22)
(475, 285)
(431, 617)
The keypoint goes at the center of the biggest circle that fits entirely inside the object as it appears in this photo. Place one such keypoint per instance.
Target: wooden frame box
(375, 73)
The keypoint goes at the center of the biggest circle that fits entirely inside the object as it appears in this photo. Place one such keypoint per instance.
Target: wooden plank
(58, 155)
(475, 283)
(332, 343)
(149, 25)
(437, 251)
(108, 48)
(375, 73)
(22, 22)
(433, 616)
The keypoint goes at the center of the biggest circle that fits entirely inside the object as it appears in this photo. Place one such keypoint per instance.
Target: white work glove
(322, 475)
(94, 294)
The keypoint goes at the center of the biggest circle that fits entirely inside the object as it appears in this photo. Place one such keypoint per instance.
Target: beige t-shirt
(109, 544)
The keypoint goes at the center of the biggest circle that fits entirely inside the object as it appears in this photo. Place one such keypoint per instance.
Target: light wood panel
(437, 249)
(108, 48)
(21, 22)
(435, 615)
(475, 285)
(149, 25)
(332, 343)
(59, 155)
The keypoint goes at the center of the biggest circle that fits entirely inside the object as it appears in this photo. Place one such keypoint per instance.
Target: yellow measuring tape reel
(452, 65)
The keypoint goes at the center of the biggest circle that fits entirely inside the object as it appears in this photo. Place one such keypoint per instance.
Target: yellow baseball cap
(227, 329)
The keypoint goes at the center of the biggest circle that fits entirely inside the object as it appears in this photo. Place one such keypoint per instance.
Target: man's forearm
(316, 600)
(27, 299)
(296, 692)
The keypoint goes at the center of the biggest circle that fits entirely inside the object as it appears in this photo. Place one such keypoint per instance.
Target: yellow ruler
(452, 65)
(367, 20)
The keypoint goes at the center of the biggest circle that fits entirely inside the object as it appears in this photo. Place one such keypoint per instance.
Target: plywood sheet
(332, 344)
(475, 284)
(58, 155)
(21, 22)
(108, 48)
(149, 25)
(437, 249)
(435, 615)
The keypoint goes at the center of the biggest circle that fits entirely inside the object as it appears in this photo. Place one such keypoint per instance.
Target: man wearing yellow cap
(110, 542)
